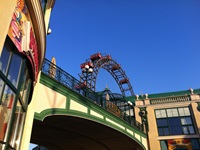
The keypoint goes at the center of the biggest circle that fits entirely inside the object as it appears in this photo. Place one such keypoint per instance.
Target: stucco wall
(6, 12)
(48, 99)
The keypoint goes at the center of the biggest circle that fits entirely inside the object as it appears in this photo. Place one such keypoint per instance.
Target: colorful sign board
(179, 143)
(22, 34)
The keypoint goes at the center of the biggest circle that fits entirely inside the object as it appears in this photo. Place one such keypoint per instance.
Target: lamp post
(87, 70)
(130, 106)
(143, 115)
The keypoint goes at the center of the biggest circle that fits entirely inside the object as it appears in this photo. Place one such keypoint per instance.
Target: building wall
(167, 102)
(6, 12)
(22, 50)
(152, 129)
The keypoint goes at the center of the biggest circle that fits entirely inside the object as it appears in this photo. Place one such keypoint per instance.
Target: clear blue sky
(156, 42)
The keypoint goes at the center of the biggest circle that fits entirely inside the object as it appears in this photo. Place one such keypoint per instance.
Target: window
(1, 88)
(17, 127)
(6, 107)
(25, 86)
(4, 59)
(195, 144)
(15, 78)
(174, 126)
(163, 127)
(175, 121)
(187, 126)
(163, 145)
(161, 113)
(184, 111)
(14, 70)
(172, 112)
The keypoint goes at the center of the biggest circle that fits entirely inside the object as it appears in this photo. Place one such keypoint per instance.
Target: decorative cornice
(37, 17)
(170, 99)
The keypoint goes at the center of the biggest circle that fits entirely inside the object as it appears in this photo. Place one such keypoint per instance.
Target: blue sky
(156, 42)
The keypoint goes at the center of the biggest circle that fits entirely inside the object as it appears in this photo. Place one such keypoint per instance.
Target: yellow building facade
(172, 119)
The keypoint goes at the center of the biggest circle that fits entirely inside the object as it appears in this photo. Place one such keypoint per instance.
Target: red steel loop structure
(98, 61)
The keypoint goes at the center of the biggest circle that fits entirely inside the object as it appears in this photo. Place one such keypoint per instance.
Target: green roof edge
(166, 94)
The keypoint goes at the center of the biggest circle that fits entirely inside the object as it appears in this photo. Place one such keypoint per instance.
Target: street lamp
(87, 70)
(130, 107)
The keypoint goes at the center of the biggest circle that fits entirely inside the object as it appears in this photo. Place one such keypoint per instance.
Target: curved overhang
(60, 104)
(60, 132)
(37, 17)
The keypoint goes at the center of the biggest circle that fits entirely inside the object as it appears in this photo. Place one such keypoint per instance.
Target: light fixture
(87, 70)
(49, 31)
(129, 103)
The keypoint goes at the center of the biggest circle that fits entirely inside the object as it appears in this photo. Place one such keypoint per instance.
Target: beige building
(23, 29)
(172, 119)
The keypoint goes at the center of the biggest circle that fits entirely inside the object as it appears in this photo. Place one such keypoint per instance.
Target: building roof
(162, 95)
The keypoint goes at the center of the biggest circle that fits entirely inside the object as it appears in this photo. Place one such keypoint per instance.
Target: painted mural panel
(21, 32)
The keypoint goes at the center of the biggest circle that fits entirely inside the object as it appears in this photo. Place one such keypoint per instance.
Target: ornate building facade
(171, 119)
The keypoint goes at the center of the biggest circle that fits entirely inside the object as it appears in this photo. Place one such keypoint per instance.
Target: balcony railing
(69, 81)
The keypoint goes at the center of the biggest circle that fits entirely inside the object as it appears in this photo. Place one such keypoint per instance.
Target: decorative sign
(22, 34)
(179, 143)
(111, 107)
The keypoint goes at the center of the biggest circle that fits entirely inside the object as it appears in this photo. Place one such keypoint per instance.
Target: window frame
(24, 65)
(189, 127)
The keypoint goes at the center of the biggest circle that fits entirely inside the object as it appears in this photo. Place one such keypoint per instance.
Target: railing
(173, 99)
(69, 81)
